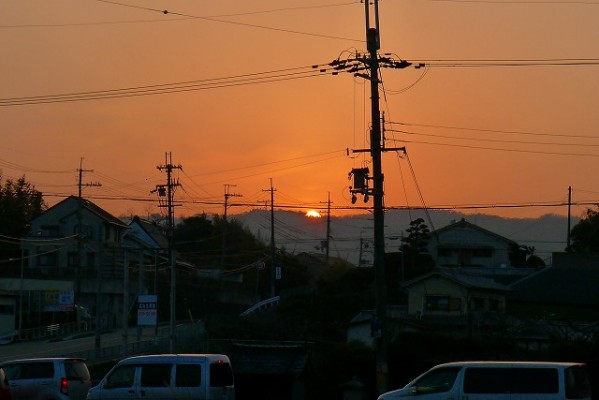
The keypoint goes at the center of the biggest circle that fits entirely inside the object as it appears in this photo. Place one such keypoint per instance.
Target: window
(511, 380)
(49, 231)
(437, 381)
(483, 253)
(7, 309)
(486, 380)
(47, 259)
(38, 370)
(156, 375)
(534, 380)
(221, 374)
(437, 303)
(72, 259)
(188, 375)
(577, 382)
(122, 377)
(76, 369)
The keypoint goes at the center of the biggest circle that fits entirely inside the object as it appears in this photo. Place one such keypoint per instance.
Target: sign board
(59, 300)
(147, 312)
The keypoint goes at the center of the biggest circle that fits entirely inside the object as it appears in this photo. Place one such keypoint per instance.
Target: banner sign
(59, 300)
(147, 313)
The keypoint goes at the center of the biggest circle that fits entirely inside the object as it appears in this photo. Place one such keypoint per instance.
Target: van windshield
(437, 380)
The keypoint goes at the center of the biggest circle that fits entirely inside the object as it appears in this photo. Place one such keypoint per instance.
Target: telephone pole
(80, 235)
(273, 264)
(168, 191)
(227, 195)
(367, 66)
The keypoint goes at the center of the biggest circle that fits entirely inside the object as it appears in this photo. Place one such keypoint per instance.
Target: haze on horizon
(504, 113)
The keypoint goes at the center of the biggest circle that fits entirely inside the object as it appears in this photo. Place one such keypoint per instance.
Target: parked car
(168, 376)
(48, 378)
(4, 388)
(484, 380)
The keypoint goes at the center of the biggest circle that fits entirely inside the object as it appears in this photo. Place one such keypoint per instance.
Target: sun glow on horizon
(313, 214)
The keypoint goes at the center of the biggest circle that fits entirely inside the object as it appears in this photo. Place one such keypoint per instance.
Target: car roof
(173, 357)
(44, 359)
(510, 363)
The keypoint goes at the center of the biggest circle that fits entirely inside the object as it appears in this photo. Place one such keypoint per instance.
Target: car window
(38, 370)
(13, 371)
(533, 380)
(486, 380)
(76, 369)
(221, 374)
(577, 382)
(188, 375)
(121, 377)
(156, 375)
(438, 380)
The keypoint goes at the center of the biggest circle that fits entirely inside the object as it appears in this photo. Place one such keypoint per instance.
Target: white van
(168, 376)
(498, 380)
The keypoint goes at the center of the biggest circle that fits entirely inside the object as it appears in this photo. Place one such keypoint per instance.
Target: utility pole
(367, 66)
(327, 241)
(569, 217)
(328, 226)
(80, 183)
(227, 195)
(80, 235)
(273, 272)
(381, 337)
(168, 191)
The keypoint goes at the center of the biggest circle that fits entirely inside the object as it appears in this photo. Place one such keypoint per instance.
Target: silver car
(48, 378)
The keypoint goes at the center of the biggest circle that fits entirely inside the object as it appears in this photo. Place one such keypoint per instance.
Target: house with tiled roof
(450, 293)
(463, 244)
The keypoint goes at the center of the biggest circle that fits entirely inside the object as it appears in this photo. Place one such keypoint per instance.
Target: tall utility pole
(273, 264)
(80, 183)
(381, 337)
(227, 195)
(168, 191)
(569, 217)
(80, 236)
(328, 241)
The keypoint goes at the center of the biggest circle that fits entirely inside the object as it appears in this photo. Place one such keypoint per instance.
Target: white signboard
(147, 313)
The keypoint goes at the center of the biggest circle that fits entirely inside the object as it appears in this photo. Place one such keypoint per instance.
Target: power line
(222, 21)
(176, 87)
(494, 130)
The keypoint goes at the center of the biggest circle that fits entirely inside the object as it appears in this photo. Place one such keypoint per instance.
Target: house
(463, 244)
(448, 293)
(74, 259)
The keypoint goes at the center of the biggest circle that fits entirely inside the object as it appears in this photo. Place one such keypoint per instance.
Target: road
(54, 347)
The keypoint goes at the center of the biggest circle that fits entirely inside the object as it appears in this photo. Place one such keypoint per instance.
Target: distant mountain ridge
(352, 236)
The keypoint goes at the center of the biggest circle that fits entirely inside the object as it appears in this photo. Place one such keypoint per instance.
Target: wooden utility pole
(168, 191)
(273, 263)
(225, 224)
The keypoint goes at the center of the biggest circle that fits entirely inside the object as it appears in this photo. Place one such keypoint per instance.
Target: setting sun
(313, 214)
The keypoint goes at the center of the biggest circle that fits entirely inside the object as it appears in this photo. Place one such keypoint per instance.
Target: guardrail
(48, 331)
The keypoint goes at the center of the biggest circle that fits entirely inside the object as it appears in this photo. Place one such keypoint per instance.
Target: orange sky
(526, 133)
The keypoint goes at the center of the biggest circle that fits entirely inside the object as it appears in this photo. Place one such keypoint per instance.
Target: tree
(20, 202)
(584, 236)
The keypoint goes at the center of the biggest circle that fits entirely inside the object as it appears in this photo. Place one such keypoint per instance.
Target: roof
(463, 279)
(151, 230)
(91, 207)
(461, 224)
(573, 285)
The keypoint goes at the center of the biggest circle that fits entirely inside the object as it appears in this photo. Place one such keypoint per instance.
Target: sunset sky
(505, 113)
